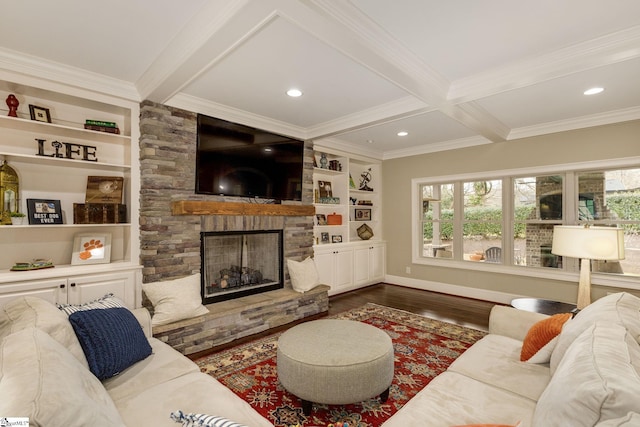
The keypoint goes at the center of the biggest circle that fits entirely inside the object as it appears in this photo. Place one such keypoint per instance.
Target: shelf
(122, 224)
(327, 171)
(67, 163)
(25, 125)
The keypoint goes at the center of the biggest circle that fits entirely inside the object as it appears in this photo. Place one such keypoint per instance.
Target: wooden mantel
(195, 207)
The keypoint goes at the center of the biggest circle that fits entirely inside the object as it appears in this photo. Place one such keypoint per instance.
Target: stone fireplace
(240, 263)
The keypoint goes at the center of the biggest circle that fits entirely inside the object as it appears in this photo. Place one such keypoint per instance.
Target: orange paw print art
(88, 247)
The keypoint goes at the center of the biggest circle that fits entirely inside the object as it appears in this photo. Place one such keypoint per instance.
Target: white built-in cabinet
(64, 179)
(348, 186)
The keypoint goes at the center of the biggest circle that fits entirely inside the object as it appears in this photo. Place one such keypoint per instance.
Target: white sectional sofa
(45, 376)
(592, 379)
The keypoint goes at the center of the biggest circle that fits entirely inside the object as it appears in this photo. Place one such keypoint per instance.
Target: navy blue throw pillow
(112, 339)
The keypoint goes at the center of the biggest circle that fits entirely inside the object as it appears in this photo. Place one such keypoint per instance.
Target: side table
(544, 306)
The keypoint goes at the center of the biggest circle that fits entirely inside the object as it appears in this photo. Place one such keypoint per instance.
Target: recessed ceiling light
(294, 93)
(370, 141)
(403, 133)
(593, 91)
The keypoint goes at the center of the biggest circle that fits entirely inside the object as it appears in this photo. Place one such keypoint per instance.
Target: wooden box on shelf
(99, 213)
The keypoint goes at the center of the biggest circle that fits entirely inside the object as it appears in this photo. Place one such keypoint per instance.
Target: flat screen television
(237, 160)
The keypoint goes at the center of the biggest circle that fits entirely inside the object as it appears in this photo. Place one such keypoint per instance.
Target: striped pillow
(202, 420)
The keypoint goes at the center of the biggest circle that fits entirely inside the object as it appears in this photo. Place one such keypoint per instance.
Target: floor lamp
(587, 243)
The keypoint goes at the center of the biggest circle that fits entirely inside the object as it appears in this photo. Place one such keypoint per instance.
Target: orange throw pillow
(541, 339)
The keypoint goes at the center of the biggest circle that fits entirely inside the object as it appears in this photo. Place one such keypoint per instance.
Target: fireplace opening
(240, 263)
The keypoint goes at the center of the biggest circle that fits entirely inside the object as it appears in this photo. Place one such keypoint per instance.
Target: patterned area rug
(423, 349)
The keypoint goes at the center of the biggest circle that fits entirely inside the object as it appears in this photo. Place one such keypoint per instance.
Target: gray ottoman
(335, 362)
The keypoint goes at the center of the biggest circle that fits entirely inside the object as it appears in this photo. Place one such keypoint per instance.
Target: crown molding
(609, 49)
(348, 148)
(388, 112)
(58, 73)
(436, 147)
(610, 117)
(209, 108)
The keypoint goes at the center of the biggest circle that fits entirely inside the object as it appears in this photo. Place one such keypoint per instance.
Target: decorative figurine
(323, 161)
(12, 103)
(365, 178)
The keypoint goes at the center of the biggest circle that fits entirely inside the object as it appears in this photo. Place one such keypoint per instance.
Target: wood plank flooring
(461, 311)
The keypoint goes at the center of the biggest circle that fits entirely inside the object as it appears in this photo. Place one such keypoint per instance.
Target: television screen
(238, 160)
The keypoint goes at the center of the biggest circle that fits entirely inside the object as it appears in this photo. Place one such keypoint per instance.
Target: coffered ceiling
(450, 73)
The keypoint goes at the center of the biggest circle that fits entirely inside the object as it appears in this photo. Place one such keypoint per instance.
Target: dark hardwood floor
(461, 311)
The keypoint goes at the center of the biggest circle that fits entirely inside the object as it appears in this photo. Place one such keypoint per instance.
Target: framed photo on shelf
(44, 211)
(324, 189)
(336, 238)
(324, 237)
(104, 189)
(91, 248)
(322, 219)
(39, 114)
(362, 214)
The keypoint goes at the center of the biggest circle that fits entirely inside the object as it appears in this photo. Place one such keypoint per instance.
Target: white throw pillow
(597, 379)
(42, 380)
(175, 299)
(304, 275)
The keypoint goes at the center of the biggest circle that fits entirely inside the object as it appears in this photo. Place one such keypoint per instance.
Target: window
(513, 216)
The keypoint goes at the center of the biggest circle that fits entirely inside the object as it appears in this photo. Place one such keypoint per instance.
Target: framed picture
(39, 114)
(324, 237)
(44, 212)
(336, 238)
(104, 189)
(324, 189)
(362, 214)
(322, 219)
(91, 248)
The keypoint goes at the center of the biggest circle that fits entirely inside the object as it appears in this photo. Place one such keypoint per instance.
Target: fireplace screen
(240, 263)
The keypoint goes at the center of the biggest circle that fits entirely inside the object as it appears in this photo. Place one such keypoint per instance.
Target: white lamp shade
(576, 241)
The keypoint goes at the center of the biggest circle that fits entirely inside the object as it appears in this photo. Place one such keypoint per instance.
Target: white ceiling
(451, 73)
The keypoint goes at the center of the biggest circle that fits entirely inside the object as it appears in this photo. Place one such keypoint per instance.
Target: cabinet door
(361, 265)
(376, 262)
(53, 290)
(87, 288)
(325, 266)
(343, 268)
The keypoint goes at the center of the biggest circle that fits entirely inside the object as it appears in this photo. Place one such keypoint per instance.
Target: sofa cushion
(632, 419)
(542, 338)
(42, 380)
(175, 299)
(622, 308)
(454, 399)
(112, 339)
(495, 360)
(304, 275)
(193, 392)
(25, 312)
(597, 379)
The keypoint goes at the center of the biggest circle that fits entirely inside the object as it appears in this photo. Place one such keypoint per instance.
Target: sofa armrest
(144, 317)
(511, 322)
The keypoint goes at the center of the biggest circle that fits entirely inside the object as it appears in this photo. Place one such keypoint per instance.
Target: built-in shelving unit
(348, 186)
(65, 179)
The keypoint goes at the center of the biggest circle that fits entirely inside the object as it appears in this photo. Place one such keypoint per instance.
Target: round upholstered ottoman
(335, 362)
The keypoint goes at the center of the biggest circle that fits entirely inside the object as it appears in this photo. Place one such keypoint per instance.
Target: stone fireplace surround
(172, 217)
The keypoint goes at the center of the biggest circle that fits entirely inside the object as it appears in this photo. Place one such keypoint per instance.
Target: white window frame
(568, 171)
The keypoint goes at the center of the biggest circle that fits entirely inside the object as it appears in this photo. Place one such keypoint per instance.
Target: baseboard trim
(457, 290)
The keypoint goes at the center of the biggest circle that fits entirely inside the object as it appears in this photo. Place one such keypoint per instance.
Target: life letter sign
(68, 150)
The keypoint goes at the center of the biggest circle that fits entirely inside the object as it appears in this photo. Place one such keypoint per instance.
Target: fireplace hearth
(240, 263)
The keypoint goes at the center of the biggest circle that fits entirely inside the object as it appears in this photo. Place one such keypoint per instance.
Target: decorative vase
(12, 103)
(323, 161)
(17, 220)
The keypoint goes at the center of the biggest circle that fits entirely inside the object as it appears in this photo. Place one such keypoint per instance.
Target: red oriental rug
(423, 349)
